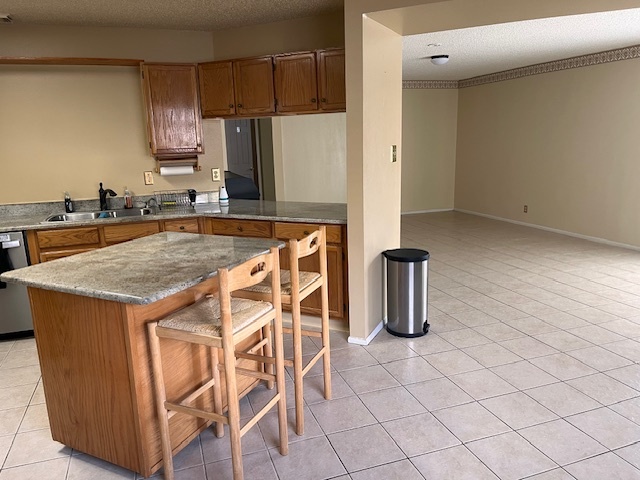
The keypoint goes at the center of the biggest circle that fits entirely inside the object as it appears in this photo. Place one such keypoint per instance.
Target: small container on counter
(68, 203)
(128, 199)
(224, 196)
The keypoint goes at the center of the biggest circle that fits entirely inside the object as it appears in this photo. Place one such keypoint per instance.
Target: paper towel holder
(178, 162)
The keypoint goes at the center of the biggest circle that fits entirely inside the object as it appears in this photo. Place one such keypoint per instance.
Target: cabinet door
(253, 79)
(173, 109)
(216, 89)
(241, 228)
(331, 80)
(296, 83)
(121, 233)
(187, 225)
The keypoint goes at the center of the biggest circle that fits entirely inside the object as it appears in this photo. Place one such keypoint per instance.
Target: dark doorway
(242, 156)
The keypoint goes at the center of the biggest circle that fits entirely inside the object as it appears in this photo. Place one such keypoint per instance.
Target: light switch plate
(148, 178)
(215, 174)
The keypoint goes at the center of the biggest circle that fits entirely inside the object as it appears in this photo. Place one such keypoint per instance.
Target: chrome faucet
(103, 197)
(155, 203)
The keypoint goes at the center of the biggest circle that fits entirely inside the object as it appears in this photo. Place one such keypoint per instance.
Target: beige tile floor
(530, 371)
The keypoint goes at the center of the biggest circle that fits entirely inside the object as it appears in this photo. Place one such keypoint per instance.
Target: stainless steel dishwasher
(15, 312)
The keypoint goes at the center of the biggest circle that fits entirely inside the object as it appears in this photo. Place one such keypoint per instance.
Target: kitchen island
(90, 311)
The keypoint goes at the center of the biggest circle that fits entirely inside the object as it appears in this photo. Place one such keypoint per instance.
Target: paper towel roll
(182, 170)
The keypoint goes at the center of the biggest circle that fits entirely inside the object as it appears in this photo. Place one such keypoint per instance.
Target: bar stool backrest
(309, 244)
(251, 272)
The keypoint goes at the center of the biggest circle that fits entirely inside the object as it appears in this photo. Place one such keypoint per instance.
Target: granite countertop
(330, 213)
(142, 271)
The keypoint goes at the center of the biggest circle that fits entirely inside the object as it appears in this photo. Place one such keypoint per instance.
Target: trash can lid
(406, 255)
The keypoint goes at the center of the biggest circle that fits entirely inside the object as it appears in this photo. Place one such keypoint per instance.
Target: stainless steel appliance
(15, 312)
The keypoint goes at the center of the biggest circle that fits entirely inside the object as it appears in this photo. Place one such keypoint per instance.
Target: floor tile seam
(637, 422)
(592, 437)
(560, 468)
(533, 365)
(590, 396)
(595, 456)
(615, 452)
(454, 446)
(485, 398)
(600, 405)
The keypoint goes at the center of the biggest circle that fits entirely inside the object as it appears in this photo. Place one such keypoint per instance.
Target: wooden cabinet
(173, 110)
(241, 228)
(217, 96)
(185, 225)
(47, 245)
(304, 82)
(253, 81)
(296, 82)
(122, 233)
(331, 80)
(336, 256)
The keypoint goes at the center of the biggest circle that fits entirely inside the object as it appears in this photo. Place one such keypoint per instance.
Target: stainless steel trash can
(407, 279)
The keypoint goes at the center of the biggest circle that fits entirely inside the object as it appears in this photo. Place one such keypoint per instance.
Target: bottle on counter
(68, 203)
(128, 199)
(223, 198)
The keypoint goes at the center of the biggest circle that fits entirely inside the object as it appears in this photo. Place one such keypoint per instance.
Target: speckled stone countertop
(142, 271)
(331, 213)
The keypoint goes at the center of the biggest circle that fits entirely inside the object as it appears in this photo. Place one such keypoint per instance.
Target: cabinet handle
(324, 100)
(313, 100)
(239, 105)
(240, 229)
(231, 105)
(305, 232)
(181, 227)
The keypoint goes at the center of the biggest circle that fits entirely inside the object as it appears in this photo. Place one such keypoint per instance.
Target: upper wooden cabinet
(173, 109)
(304, 82)
(253, 81)
(331, 80)
(216, 89)
(295, 82)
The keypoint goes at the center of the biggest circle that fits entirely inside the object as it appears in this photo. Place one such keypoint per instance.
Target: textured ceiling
(494, 48)
(181, 14)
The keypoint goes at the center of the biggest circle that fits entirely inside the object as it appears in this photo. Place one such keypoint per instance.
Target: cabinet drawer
(55, 254)
(301, 230)
(68, 237)
(241, 228)
(184, 225)
(122, 233)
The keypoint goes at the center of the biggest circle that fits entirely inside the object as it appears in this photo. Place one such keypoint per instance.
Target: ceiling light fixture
(5, 18)
(439, 59)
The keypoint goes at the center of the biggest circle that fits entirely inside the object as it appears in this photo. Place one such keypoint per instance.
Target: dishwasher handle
(11, 244)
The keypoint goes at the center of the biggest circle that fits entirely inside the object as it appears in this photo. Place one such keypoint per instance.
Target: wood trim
(111, 62)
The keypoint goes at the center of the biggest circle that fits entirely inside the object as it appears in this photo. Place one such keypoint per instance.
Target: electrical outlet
(394, 153)
(215, 174)
(526, 209)
(148, 178)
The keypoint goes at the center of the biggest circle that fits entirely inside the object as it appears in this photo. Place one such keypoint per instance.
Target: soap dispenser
(223, 197)
(128, 200)
(68, 203)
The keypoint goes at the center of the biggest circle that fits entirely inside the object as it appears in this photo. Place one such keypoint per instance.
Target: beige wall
(68, 128)
(429, 130)
(311, 158)
(308, 33)
(563, 143)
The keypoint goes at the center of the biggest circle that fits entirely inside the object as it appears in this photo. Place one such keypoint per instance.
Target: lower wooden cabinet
(46, 245)
(336, 256)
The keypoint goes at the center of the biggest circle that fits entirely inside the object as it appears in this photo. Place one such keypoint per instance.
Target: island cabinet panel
(298, 231)
(217, 95)
(253, 81)
(96, 372)
(331, 80)
(296, 82)
(121, 233)
(241, 228)
(173, 109)
(49, 255)
(86, 376)
(68, 237)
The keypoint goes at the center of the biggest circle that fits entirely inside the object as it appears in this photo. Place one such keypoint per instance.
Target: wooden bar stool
(295, 286)
(223, 322)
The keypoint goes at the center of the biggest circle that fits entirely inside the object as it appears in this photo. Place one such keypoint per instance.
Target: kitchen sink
(84, 216)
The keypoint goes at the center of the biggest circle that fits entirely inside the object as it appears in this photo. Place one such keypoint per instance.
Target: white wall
(310, 158)
(429, 131)
(564, 143)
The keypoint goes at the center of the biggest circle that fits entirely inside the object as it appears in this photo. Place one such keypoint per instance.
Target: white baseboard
(366, 341)
(428, 211)
(554, 230)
